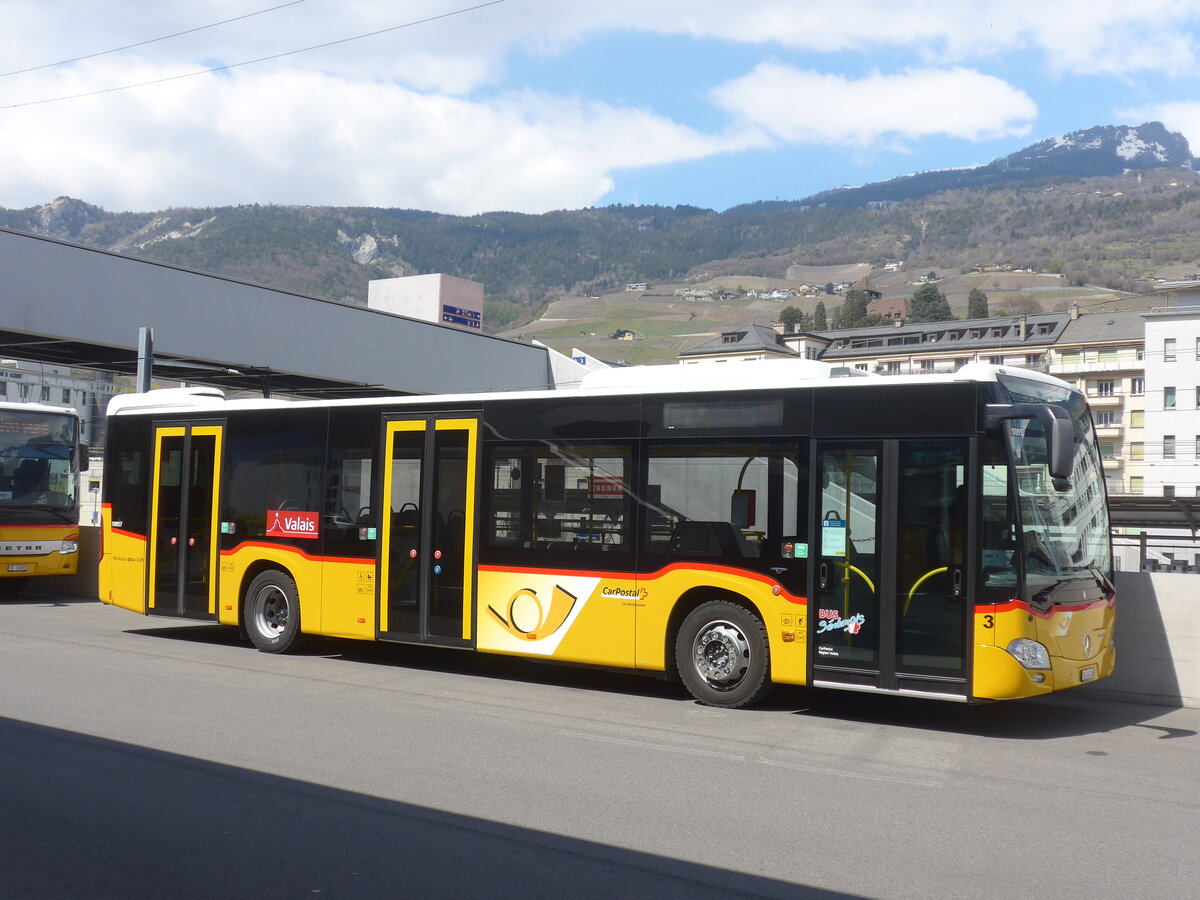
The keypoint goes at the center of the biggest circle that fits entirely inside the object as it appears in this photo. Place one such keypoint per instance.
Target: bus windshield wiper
(1102, 578)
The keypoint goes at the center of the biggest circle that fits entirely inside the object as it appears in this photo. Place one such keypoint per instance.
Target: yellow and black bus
(40, 461)
(938, 536)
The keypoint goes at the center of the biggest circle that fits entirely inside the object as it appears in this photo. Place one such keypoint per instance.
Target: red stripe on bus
(309, 556)
(1011, 605)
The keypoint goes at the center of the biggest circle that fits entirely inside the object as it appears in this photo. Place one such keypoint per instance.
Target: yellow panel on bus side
(574, 616)
(122, 574)
(348, 598)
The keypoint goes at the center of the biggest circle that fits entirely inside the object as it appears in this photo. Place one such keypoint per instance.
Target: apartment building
(1101, 352)
(88, 392)
(1171, 465)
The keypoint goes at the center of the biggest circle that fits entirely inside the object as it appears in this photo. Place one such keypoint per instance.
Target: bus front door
(891, 599)
(427, 547)
(183, 516)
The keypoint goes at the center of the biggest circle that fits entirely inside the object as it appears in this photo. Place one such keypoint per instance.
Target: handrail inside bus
(920, 581)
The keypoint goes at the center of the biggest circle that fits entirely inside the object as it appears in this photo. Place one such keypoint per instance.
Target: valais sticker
(287, 523)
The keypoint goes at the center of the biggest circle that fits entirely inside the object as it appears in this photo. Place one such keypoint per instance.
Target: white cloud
(418, 116)
(305, 137)
(804, 107)
(460, 53)
(1071, 36)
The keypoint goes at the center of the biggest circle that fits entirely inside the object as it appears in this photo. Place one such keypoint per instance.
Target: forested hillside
(1106, 231)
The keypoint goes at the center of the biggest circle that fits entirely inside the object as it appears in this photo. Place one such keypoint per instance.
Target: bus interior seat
(705, 539)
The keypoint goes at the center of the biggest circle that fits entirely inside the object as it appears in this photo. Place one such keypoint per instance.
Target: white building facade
(1172, 418)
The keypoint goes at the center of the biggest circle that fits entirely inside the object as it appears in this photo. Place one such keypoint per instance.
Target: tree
(930, 305)
(793, 319)
(977, 304)
(820, 318)
(854, 309)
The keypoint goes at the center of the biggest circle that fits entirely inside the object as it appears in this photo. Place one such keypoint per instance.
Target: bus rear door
(183, 520)
(891, 598)
(427, 547)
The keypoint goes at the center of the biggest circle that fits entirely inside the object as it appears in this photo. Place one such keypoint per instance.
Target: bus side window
(350, 524)
(732, 500)
(559, 497)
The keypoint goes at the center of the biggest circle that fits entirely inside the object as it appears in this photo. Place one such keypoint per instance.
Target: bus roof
(40, 408)
(700, 377)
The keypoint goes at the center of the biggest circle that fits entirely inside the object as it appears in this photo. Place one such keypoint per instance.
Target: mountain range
(1106, 205)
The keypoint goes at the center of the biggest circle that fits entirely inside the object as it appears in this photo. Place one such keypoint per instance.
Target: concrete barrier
(1158, 630)
(1158, 640)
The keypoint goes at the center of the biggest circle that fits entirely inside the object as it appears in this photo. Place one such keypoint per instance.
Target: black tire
(271, 612)
(723, 656)
(10, 587)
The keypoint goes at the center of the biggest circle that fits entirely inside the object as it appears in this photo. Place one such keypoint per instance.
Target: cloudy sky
(533, 105)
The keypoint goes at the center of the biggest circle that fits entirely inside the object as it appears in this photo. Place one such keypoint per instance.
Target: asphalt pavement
(158, 758)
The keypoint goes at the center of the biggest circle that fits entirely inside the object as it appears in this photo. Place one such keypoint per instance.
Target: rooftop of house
(750, 338)
(1039, 329)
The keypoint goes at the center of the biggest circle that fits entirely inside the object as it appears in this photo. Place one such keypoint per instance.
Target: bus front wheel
(722, 655)
(272, 610)
(10, 587)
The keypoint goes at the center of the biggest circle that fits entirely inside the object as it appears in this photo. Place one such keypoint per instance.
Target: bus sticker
(831, 620)
(289, 523)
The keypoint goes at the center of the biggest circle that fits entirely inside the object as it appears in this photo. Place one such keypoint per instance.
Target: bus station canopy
(65, 304)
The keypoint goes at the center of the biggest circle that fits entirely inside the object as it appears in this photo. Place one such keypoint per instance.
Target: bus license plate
(1088, 674)
(18, 568)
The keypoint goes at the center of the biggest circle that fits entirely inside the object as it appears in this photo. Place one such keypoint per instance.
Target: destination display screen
(17, 427)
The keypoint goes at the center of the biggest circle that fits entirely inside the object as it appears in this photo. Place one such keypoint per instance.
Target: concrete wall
(1158, 630)
(1158, 640)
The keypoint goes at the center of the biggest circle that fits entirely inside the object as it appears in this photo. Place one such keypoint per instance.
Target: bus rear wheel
(722, 655)
(272, 612)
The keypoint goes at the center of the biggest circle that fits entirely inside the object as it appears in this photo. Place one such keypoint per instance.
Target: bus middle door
(891, 593)
(427, 547)
(183, 519)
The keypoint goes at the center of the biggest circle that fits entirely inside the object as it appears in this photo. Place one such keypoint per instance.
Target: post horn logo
(528, 618)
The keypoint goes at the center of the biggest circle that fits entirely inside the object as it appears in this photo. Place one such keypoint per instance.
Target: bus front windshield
(1065, 534)
(36, 461)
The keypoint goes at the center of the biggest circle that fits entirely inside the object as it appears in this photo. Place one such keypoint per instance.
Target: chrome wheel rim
(271, 611)
(721, 655)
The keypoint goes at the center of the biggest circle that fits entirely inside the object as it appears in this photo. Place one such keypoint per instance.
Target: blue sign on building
(456, 315)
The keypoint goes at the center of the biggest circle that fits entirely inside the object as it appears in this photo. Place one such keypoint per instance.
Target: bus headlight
(1030, 654)
(69, 547)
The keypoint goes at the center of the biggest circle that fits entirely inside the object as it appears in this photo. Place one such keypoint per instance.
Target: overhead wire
(250, 62)
(165, 37)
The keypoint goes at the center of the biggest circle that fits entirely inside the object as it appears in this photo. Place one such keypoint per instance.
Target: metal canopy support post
(145, 361)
